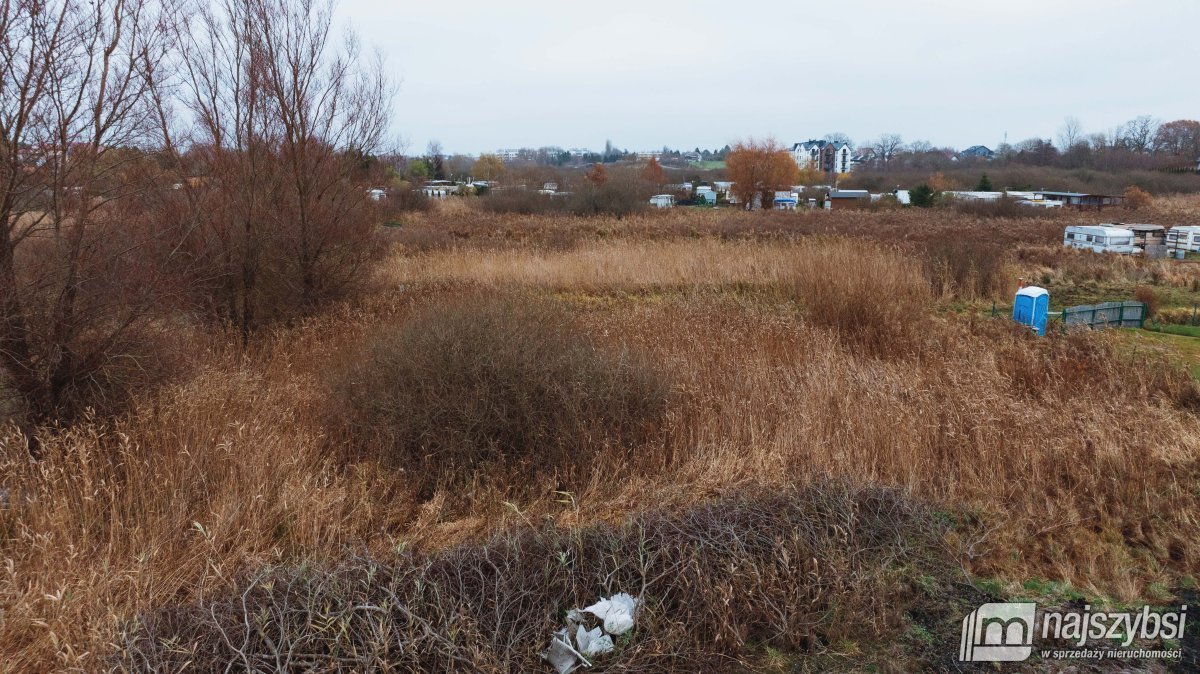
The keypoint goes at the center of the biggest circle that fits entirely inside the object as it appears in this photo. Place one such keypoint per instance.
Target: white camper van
(1184, 238)
(1101, 239)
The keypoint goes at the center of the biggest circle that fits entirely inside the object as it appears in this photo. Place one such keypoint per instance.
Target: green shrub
(922, 196)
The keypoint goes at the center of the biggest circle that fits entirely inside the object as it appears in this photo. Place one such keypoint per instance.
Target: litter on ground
(617, 615)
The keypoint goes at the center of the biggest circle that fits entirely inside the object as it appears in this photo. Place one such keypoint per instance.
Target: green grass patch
(1183, 330)
(1183, 346)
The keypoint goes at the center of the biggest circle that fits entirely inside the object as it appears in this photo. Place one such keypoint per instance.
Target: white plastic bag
(592, 642)
(618, 612)
(561, 655)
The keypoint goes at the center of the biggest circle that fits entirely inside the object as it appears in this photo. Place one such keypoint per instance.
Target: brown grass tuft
(492, 383)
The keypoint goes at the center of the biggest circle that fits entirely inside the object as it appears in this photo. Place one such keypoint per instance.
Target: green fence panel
(1106, 315)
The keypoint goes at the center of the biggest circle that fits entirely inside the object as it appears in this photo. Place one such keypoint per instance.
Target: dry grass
(619, 265)
(1076, 457)
(461, 227)
(717, 578)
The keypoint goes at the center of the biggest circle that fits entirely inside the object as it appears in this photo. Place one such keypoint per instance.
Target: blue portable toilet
(1031, 307)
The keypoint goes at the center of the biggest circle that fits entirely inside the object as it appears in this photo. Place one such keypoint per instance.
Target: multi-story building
(824, 156)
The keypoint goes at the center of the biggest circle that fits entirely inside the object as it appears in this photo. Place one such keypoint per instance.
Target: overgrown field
(800, 437)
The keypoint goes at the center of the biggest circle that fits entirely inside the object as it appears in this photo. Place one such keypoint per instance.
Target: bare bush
(799, 570)
(620, 195)
(1151, 299)
(1004, 207)
(1136, 198)
(404, 198)
(493, 382)
(520, 202)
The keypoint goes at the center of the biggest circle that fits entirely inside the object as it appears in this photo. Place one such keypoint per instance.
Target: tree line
(1143, 143)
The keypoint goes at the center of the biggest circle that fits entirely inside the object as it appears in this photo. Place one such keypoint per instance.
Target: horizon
(478, 78)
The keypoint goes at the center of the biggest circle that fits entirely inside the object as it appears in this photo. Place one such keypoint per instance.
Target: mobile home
(1184, 238)
(1081, 200)
(1101, 239)
(663, 201)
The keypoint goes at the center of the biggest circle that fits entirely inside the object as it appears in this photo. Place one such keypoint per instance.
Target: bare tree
(76, 134)
(1070, 133)
(283, 125)
(838, 138)
(332, 111)
(1179, 138)
(886, 148)
(1137, 135)
(437, 163)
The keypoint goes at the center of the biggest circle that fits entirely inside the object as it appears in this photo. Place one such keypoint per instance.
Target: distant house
(824, 156)
(977, 152)
(861, 156)
(1081, 200)
(837, 200)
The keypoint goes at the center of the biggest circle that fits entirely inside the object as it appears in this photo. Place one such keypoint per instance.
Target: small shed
(1145, 235)
(842, 199)
(1082, 200)
(707, 194)
(1031, 307)
(663, 201)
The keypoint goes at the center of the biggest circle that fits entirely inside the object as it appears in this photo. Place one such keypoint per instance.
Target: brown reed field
(802, 438)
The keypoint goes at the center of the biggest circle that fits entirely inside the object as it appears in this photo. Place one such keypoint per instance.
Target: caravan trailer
(1185, 238)
(1100, 239)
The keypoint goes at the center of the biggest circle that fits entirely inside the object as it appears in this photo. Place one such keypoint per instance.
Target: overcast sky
(483, 75)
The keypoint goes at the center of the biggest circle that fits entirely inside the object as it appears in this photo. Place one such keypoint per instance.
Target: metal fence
(1106, 315)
